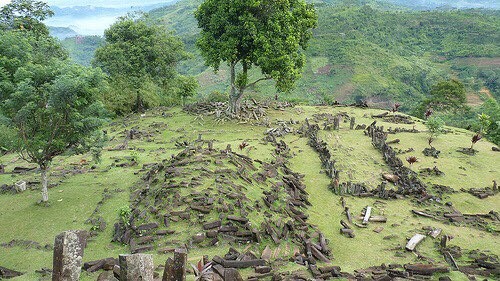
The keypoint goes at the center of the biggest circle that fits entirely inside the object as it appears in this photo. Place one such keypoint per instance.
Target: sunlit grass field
(79, 187)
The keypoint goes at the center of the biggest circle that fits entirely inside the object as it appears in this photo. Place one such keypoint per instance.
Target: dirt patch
(325, 70)
(481, 62)
(345, 91)
(474, 99)
(486, 91)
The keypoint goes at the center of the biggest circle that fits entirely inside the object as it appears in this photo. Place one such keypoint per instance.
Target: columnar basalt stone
(136, 267)
(232, 274)
(20, 186)
(175, 270)
(68, 255)
(8, 273)
(180, 262)
(168, 272)
(336, 122)
(353, 122)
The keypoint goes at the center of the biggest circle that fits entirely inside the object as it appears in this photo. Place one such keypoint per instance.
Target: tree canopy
(447, 95)
(25, 15)
(267, 34)
(143, 58)
(52, 108)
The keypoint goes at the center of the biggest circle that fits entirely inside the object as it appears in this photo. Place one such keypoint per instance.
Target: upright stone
(353, 122)
(68, 255)
(136, 267)
(175, 270)
(336, 122)
(180, 262)
(168, 272)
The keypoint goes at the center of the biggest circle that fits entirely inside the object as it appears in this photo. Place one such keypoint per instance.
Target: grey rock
(68, 255)
(136, 267)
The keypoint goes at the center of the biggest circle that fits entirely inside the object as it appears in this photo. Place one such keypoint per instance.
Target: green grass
(76, 196)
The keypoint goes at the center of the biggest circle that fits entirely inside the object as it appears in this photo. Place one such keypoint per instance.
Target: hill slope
(370, 51)
(82, 48)
(160, 165)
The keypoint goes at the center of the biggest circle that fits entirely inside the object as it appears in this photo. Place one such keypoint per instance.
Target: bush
(216, 96)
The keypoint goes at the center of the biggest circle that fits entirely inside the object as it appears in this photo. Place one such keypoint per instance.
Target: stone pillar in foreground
(136, 267)
(175, 270)
(68, 255)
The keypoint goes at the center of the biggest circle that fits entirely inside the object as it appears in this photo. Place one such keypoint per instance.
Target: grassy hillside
(84, 194)
(375, 51)
(81, 48)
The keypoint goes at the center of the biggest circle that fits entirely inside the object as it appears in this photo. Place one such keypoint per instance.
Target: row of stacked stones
(407, 180)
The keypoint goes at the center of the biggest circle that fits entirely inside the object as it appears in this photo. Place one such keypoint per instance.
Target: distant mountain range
(422, 4)
(90, 11)
(62, 33)
(105, 3)
(426, 4)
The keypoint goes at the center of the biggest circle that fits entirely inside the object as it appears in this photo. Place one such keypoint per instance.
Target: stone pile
(482, 193)
(401, 130)
(395, 118)
(205, 188)
(250, 110)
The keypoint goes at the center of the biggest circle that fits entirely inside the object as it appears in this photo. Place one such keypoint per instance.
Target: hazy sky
(97, 3)
(86, 24)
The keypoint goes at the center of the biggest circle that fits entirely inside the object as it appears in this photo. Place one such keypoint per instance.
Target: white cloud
(4, 2)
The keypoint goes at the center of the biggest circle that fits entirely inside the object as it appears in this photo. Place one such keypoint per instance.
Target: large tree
(263, 33)
(138, 54)
(48, 104)
(53, 109)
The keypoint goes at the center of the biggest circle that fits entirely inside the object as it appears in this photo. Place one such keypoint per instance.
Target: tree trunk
(139, 104)
(45, 191)
(236, 93)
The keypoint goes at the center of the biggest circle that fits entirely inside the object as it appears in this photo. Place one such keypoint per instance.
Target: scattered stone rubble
(250, 110)
(219, 212)
(483, 193)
